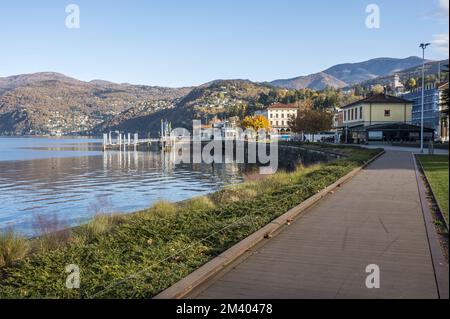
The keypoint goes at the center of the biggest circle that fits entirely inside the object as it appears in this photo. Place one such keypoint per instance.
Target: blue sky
(181, 43)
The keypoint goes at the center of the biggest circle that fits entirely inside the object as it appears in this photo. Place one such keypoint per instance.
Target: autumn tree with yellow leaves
(256, 123)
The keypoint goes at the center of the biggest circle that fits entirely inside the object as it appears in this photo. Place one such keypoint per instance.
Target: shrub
(200, 203)
(99, 225)
(51, 233)
(12, 248)
(160, 209)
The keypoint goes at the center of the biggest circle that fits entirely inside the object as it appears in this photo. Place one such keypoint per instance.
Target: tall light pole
(423, 46)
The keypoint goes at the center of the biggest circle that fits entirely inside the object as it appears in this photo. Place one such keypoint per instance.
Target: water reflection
(27, 148)
(72, 179)
(70, 187)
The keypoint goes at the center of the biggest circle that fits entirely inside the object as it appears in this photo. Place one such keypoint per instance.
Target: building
(225, 130)
(380, 117)
(338, 118)
(338, 123)
(444, 122)
(279, 116)
(431, 109)
(218, 129)
(397, 85)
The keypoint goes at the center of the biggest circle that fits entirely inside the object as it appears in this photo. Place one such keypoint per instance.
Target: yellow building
(380, 117)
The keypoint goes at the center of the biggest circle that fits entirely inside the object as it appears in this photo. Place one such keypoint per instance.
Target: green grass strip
(436, 170)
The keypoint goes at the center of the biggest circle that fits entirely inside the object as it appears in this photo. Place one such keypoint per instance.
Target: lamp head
(424, 45)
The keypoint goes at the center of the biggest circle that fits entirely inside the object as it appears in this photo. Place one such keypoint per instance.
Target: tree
(430, 79)
(270, 98)
(359, 90)
(411, 84)
(377, 89)
(256, 123)
(311, 122)
(238, 109)
(305, 104)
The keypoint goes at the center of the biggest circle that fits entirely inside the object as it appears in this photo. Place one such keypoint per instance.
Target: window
(271, 115)
(387, 113)
(348, 115)
(360, 113)
(282, 115)
(276, 123)
(356, 114)
(345, 116)
(352, 114)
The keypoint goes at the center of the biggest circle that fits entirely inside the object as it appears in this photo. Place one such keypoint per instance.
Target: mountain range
(348, 74)
(431, 68)
(52, 103)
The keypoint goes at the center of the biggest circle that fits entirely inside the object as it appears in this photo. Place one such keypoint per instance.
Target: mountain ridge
(49, 102)
(347, 74)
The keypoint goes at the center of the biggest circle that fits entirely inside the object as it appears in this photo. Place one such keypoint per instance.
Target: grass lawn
(139, 255)
(436, 170)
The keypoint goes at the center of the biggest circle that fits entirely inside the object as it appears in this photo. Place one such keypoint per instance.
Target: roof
(443, 86)
(280, 106)
(380, 98)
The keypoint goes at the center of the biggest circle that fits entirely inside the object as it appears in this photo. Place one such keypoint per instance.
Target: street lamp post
(423, 46)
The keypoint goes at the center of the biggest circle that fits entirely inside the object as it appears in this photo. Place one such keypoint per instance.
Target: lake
(73, 179)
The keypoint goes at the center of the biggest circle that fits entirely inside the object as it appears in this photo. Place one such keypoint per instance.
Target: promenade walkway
(376, 218)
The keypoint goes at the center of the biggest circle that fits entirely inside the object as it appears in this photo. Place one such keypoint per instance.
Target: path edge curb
(217, 264)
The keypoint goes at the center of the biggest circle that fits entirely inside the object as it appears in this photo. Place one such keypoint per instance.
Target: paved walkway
(408, 149)
(376, 218)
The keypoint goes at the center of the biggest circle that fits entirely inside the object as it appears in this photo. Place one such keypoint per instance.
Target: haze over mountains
(52, 103)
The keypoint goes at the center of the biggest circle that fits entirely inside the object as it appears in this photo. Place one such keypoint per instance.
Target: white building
(225, 131)
(279, 116)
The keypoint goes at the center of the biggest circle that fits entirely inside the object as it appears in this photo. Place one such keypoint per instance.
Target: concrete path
(414, 150)
(376, 218)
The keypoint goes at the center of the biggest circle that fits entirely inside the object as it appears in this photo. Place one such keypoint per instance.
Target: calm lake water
(73, 179)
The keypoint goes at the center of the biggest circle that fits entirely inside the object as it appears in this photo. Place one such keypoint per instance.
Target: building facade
(379, 117)
(431, 109)
(377, 109)
(279, 116)
(338, 119)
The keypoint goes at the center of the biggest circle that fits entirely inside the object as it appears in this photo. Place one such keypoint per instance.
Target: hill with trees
(47, 103)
